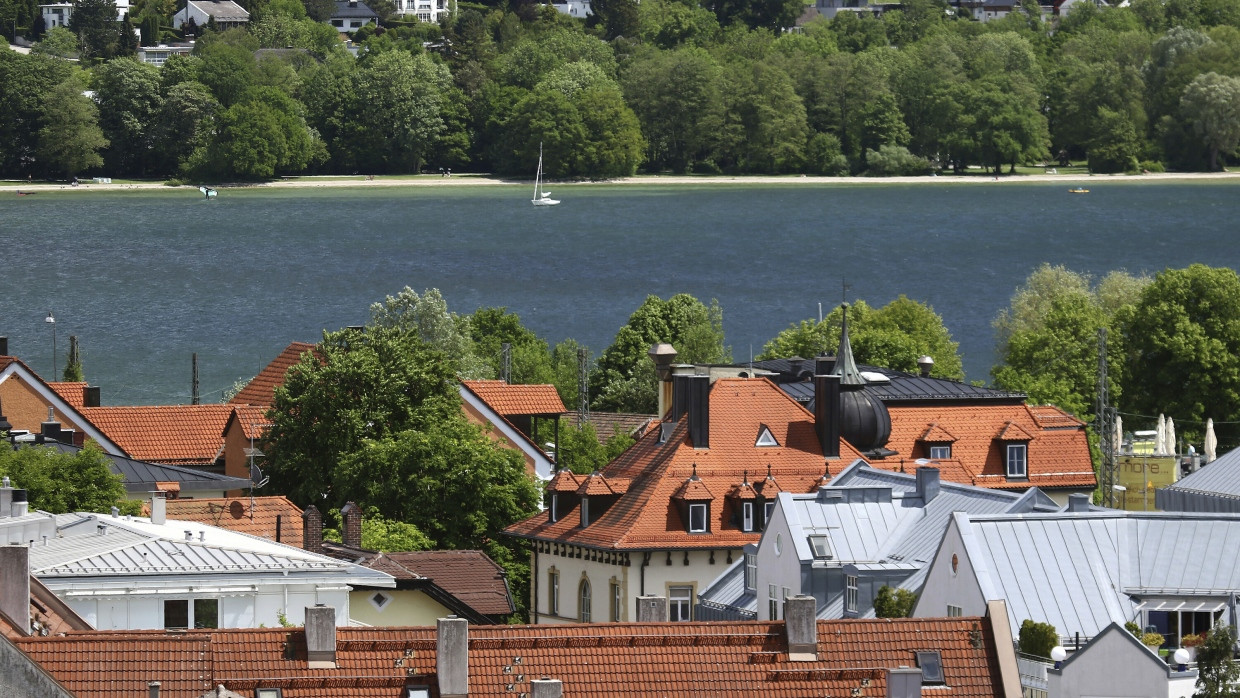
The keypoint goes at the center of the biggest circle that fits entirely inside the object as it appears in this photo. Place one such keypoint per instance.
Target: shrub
(1133, 628)
(1152, 166)
(1038, 639)
(894, 603)
(1152, 640)
(1192, 640)
(895, 160)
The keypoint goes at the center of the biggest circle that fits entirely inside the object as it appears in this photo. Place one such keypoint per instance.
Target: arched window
(583, 608)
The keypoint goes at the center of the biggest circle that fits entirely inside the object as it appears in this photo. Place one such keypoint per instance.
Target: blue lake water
(145, 279)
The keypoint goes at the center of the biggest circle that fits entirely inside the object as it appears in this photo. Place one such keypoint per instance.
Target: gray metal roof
(1214, 487)
(141, 476)
(901, 385)
(222, 10)
(1082, 571)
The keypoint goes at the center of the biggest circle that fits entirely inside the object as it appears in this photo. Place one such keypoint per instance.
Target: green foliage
(380, 534)
(625, 381)
(1037, 639)
(1211, 104)
(1132, 628)
(99, 34)
(894, 603)
(1153, 640)
(428, 318)
(565, 371)
(581, 450)
(128, 93)
(58, 42)
(895, 160)
(73, 363)
(70, 139)
(1217, 670)
(491, 328)
(58, 482)
(894, 336)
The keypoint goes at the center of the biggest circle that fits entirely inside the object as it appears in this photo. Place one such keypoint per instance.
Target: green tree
(26, 83)
(58, 482)
(565, 371)
(894, 603)
(1182, 338)
(129, 97)
(397, 111)
(672, 24)
(1211, 103)
(1217, 670)
(73, 363)
(381, 534)
(94, 21)
(183, 125)
(1037, 639)
(228, 69)
(491, 328)
(59, 42)
(894, 336)
(624, 380)
(427, 316)
(70, 138)
(581, 450)
(764, 126)
(775, 15)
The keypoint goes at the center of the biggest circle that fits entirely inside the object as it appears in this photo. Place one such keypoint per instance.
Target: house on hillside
(426, 10)
(351, 15)
(227, 14)
(867, 529)
(801, 658)
(58, 14)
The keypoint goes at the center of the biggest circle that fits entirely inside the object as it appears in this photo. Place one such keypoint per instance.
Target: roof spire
(694, 475)
(846, 366)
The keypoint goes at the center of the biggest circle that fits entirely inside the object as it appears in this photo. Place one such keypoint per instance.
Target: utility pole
(194, 394)
(583, 387)
(506, 362)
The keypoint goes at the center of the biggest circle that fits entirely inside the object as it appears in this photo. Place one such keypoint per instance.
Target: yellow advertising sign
(1140, 476)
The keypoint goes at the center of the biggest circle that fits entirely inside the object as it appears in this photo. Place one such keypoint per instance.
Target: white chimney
(801, 624)
(19, 507)
(321, 637)
(452, 656)
(159, 509)
(15, 585)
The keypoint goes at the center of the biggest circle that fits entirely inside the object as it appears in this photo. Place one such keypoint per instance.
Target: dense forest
(656, 86)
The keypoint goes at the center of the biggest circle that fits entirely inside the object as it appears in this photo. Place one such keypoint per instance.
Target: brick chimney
(827, 414)
(321, 637)
(452, 656)
(312, 529)
(663, 355)
(801, 624)
(351, 525)
(15, 585)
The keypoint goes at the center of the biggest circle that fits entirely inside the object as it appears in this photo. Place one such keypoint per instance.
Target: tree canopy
(59, 483)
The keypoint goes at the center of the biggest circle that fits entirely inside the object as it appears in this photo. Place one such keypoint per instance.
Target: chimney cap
(926, 364)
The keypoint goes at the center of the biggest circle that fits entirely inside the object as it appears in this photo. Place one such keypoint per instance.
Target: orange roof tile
(236, 514)
(694, 490)
(602, 660)
(251, 418)
(646, 517)
(564, 481)
(49, 615)
(596, 484)
(608, 424)
(73, 392)
(1058, 455)
(261, 389)
(507, 399)
(936, 433)
(169, 434)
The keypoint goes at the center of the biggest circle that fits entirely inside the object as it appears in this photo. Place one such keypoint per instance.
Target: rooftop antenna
(51, 320)
(506, 362)
(583, 387)
(819, 312)
(194, 390)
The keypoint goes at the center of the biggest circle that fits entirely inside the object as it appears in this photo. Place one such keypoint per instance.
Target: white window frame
(767, 509)
(850, 593)
(772, 601)
(765, 439)
(941, 452)
(751, 571)
(379, 600)
(1017, 460)
(747, 517)
(553, 592)
(585, 601)
(954, 611)
(555, 500)
(820, 546)
(705, 512)
(680, 603)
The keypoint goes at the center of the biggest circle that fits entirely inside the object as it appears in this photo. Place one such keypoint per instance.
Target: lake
(145, 279)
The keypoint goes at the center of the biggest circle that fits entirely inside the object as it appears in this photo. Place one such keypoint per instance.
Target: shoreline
(469, 180)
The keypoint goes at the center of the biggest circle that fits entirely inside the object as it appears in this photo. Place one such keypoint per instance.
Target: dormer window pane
(766, 438)
(850, 594)
(766, 513)
(940, 452)
(552, 508)
(747, 516)
(931, 665)
(821, 545)
(1017, 463)
(697, 518)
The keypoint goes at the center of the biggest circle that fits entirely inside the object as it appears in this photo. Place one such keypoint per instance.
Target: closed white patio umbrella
(1160, 437)
(1172, 447)
(1211, 442)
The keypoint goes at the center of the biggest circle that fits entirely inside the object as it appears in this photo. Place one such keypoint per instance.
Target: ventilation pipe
(159, 508)
(20, 506)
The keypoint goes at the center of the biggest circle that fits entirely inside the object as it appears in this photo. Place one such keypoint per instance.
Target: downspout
(534, 588)
(645, 561)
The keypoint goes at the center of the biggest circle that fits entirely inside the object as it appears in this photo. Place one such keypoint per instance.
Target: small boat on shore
(207, 192)
(1078, 190)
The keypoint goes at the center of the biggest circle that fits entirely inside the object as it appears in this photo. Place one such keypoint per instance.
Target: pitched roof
(647, 517)
(699, 659)
(469, 575)
(508, 399)
(901, 386)
(251, 418)
(222, 10)
(174, 434)
(141, 477)
(607, 424)
(256, 516)
(1218, 480)
(262, 388)
(1058, 455)
(73, 392)
(352, 8)
(49, 615)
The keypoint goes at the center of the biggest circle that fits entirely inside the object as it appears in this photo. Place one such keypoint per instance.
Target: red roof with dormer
(648, 514)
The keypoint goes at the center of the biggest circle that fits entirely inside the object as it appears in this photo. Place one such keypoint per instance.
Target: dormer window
(751, 571)
(765, 437)
(698, 516)
(551, 509)
(747, 517)
(1017, 460)
(941, 452)
(585, 512)
(821, 545)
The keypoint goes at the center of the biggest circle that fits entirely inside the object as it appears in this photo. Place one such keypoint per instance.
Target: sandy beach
(471, 180)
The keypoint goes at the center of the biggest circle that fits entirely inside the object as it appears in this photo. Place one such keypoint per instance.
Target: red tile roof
(251, 418)
(73, 392)
(261, 389)
(646, 516)
(169, 434)
(564, 481)
(607, 424)
(49, 615)
(507, 399)
(1058, 455)
(236, 514)
(710, 660)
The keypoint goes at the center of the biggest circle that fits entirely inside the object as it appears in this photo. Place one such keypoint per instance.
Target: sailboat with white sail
(541, 198)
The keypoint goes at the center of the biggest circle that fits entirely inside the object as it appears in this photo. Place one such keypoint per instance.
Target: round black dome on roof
(864, 421)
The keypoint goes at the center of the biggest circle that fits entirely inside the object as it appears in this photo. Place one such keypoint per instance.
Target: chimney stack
(452, 656)
(90, 396)
(546, 688)
(699, 411)
(824, 365)
(801, 624)
(1078, 502)
(351, 523)
(926, 364)
(20, 506)
(6, 499)
(904, 682)
(15, 585)
(321, 637)
(4, 346)
(663, 355)
(827, 413)
(50, 428)
(312, 529)
(159, 508)
(651, 609)
(927, 483)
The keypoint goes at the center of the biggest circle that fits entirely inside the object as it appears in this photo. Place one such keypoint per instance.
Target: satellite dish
(257, 479)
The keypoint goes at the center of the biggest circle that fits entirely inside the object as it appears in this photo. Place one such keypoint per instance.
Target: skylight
(931, 665)
(821, 545)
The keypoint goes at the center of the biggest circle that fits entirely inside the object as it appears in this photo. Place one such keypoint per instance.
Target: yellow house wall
(26, 409)
(408, 607)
